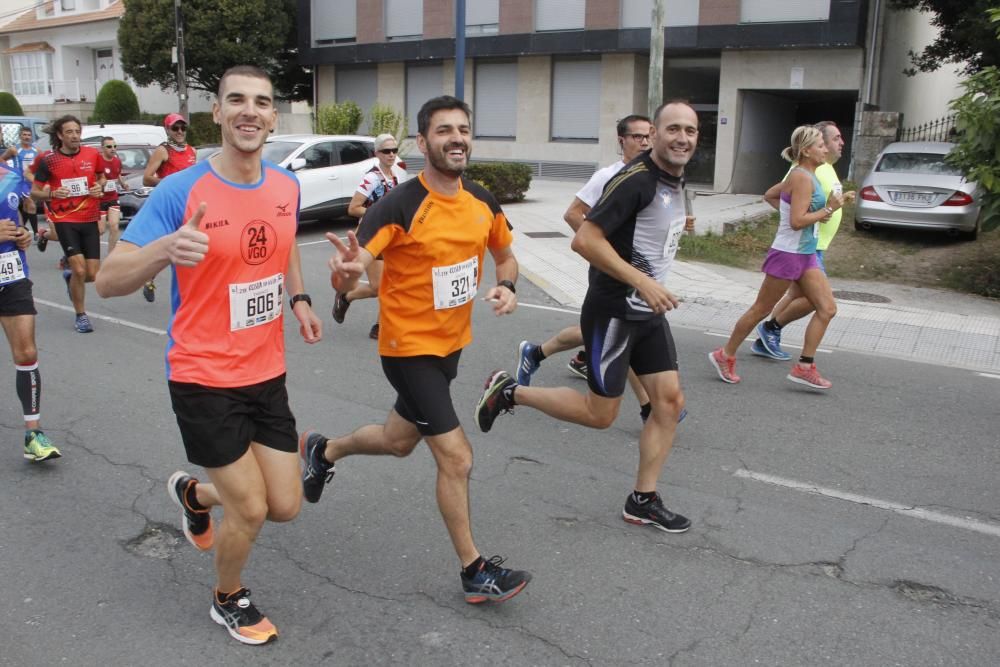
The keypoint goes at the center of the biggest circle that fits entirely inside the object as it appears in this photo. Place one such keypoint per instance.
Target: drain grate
(866, 297)
(545, 235)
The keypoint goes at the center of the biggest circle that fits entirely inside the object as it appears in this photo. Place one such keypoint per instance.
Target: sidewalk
(933, 326)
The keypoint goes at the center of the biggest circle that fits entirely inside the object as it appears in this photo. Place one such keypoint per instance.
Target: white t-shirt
(591, 192)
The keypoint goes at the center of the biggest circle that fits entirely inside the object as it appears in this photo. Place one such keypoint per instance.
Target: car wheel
(859, 226)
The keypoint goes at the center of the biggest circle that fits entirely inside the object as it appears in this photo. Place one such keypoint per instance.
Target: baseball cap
(173, 118)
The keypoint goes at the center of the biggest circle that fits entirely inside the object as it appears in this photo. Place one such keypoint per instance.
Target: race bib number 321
(455, 285)
(256, 303)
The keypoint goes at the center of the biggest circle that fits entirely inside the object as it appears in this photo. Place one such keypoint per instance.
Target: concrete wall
(925, 96)
(822, 70)
(877, 130)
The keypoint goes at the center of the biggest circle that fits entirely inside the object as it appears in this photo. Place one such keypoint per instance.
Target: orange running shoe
(197, 524)
(724, 366)
(809, 376)
(241, 619)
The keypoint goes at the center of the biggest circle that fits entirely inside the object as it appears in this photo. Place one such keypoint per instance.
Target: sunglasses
(638, 138)
(388, 151)
(111, 145)
(178, 128)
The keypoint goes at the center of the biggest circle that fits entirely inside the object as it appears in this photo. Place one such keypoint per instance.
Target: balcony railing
(74, 90)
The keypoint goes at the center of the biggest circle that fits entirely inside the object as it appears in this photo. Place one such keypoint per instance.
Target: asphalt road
(858, 527)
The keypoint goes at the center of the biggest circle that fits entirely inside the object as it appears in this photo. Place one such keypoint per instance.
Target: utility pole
(460, 49)
(656, 58)
(182, 96)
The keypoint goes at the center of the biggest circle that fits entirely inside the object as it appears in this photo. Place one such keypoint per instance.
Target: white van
(149, 135)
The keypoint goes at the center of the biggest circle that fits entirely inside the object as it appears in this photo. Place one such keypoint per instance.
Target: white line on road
(106, 318)
(989, 375)
(910, 511)
(724, 335)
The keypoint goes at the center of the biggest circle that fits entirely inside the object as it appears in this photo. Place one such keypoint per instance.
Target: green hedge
(507, 181)
(9, 106)
(342, 118)
(116, 103)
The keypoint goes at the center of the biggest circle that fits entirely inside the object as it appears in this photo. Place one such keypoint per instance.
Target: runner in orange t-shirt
(432, 232)
(227, 228)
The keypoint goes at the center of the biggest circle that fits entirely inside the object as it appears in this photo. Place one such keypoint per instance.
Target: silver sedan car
(912, 186)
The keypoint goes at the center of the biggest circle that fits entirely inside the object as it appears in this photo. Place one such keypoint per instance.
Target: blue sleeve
(162, 214)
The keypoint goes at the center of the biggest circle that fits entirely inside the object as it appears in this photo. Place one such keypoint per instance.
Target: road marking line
(989, 375)
(553, 308)
(799, 347)
(106, 318)
(914, 512)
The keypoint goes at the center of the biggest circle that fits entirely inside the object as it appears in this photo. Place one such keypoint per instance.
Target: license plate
(912, 197)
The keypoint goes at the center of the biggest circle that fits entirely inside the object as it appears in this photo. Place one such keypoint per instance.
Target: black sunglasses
(388, 151)
(111, 145)
(179, 128)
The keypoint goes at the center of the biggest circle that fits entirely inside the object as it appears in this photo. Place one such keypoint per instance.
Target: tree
(218, 34)
(116, 103)
(9, 106)
(964, 37)
(977, 118)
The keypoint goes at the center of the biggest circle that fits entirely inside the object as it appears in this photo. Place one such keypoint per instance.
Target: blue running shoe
(771, 342)
(83, 324)
(758, 348)
(526, 365)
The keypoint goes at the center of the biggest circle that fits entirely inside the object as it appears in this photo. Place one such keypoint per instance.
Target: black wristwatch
(300, 297)
(508, 284)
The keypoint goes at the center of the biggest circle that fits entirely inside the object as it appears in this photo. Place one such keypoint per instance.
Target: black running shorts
(80, 238)
(218, 423)
(423, 385)
(16, 299)
(613, 345)
(105, 205)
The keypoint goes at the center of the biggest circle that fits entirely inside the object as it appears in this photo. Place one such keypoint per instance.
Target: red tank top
(112, 170)
(176, 160)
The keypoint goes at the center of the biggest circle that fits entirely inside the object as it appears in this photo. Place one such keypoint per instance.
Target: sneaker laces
(318, 468)
(492, 565)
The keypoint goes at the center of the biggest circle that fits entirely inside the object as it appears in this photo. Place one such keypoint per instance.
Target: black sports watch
(300, 297)
(508, 284)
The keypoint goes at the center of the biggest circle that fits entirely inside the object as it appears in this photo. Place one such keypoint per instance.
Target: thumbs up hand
(189, 245)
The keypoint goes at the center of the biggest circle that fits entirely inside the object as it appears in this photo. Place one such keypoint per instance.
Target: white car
(329, 169)
(149, 135)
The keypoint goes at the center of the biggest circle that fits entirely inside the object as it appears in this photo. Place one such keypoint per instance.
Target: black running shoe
(653, 513)
(493, 583)
(243, 621)
(149, 291)
(196, 524)
(373, 333)
(578, 365)
(494, 400)
(317, 473)
(340, 306)
(43, 242)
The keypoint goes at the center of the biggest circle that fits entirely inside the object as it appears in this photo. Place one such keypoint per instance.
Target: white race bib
(455, 285)
(77, 186)
(673, 241)
(11, 268)
(256, 303)
(111, 186)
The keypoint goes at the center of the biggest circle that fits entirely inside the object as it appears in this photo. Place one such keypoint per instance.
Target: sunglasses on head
(388, 151)
(179, 128)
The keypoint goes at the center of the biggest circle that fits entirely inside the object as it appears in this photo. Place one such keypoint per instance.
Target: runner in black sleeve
(630, 239)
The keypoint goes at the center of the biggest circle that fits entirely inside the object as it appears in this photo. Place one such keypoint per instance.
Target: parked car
(127, 133)
(10, 130)
(912, 186)
(328, 167)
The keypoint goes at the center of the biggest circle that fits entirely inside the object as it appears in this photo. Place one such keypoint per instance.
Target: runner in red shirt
(170, 157)
(71, 179)
(111, 214)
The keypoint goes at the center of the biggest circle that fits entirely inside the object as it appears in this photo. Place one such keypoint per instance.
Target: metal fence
(942, 129)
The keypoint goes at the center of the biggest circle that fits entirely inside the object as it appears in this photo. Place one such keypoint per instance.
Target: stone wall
(877, 130)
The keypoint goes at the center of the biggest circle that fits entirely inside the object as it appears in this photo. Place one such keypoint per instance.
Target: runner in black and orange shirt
(75, 179)
(432, 232)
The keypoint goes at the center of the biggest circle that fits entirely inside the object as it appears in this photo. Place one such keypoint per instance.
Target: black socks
(29, 389)
(772, 325)
(473, 568)
(537, 355)
(645, 411)
(805, 360)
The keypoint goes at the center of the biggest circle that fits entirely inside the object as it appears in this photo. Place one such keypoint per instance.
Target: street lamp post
(655, 59)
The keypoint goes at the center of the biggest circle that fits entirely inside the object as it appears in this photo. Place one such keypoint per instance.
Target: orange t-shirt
(433, 246)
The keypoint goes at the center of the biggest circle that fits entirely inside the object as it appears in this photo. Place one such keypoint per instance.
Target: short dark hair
(667, 103)
(628, 120)
(56, 127)
(243, 70)
(435, 104)
(103, 139)
(23, 128)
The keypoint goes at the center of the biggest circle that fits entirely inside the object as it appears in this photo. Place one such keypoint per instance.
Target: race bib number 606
(256, 303)
(455, 285)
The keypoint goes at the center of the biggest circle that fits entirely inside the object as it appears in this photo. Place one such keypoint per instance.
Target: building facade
(547, 79)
